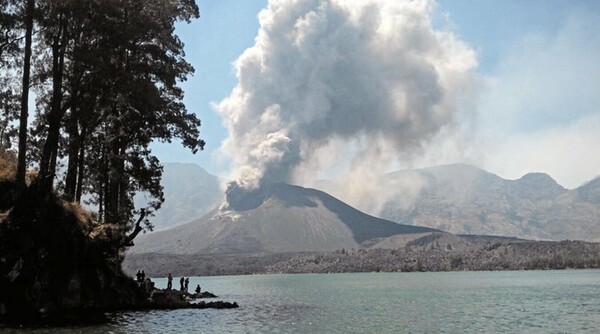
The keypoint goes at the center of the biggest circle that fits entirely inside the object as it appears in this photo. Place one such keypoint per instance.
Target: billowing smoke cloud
(341, 84)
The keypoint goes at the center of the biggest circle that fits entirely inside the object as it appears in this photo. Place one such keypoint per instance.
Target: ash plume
(340, 84)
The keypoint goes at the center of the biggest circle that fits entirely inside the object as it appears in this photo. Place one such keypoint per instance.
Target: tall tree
(145, 67)
(107, 77)
(21, 159)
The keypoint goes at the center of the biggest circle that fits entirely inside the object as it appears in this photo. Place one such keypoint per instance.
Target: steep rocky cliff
(54, 265)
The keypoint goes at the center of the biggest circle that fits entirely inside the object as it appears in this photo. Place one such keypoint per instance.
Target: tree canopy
(105, 75)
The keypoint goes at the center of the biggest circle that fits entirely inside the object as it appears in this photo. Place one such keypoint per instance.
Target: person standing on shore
(169, 282)
(181, 281)
(187, 283)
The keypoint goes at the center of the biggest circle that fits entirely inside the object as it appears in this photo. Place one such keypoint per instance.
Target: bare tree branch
(138, 228)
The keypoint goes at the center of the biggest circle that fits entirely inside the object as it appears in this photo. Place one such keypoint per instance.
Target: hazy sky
(534, 104)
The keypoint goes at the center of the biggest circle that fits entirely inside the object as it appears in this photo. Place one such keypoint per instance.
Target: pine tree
(106, 77)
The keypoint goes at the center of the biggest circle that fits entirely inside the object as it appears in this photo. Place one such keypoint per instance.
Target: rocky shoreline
(163, 299)
(57, 266)
(156, 299)
(435, 252)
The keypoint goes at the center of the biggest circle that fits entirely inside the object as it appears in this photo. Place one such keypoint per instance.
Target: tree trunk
(50, 151)
(75, 131)
(73, 150)
(81, 166)
(114, 182)
(136, 230)
(21, 160)
(73, 160)
(123, 187)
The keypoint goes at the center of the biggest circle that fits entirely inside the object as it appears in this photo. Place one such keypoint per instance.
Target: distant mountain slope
(408, 252)
(464, 199)
(285, 218)
(190, 192)
(457, 198)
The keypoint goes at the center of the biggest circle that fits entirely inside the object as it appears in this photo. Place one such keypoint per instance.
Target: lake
(566, 301)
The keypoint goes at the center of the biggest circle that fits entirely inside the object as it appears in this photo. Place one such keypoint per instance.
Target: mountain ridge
(457, 198)
(190, 192)
(288, 219)
(464, 199)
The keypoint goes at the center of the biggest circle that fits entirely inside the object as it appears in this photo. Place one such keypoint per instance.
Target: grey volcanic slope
(464, 199)
(285, 218)
(190, 192)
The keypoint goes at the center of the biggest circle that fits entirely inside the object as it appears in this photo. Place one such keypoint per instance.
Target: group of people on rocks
(143, 281)
(140, 276)
(184, 283)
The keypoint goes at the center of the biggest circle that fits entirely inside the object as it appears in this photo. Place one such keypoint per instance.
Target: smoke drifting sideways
(340, 85)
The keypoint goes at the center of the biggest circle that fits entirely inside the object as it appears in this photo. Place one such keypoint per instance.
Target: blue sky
(537, 108)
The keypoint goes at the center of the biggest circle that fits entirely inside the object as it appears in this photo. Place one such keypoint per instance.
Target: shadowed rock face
(50, 269)
(56, 268)
(275, 218)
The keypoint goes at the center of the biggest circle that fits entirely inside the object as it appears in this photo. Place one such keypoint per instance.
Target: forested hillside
(86, 86)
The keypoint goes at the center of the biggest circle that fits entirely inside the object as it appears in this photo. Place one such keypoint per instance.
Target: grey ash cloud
(334, 82)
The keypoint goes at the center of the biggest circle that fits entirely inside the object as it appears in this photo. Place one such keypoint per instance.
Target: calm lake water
(455, 302)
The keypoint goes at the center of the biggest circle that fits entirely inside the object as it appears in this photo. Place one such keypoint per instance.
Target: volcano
(273, 219)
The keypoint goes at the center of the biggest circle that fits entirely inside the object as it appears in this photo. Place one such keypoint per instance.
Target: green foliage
(9, 20)
(106, 76)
